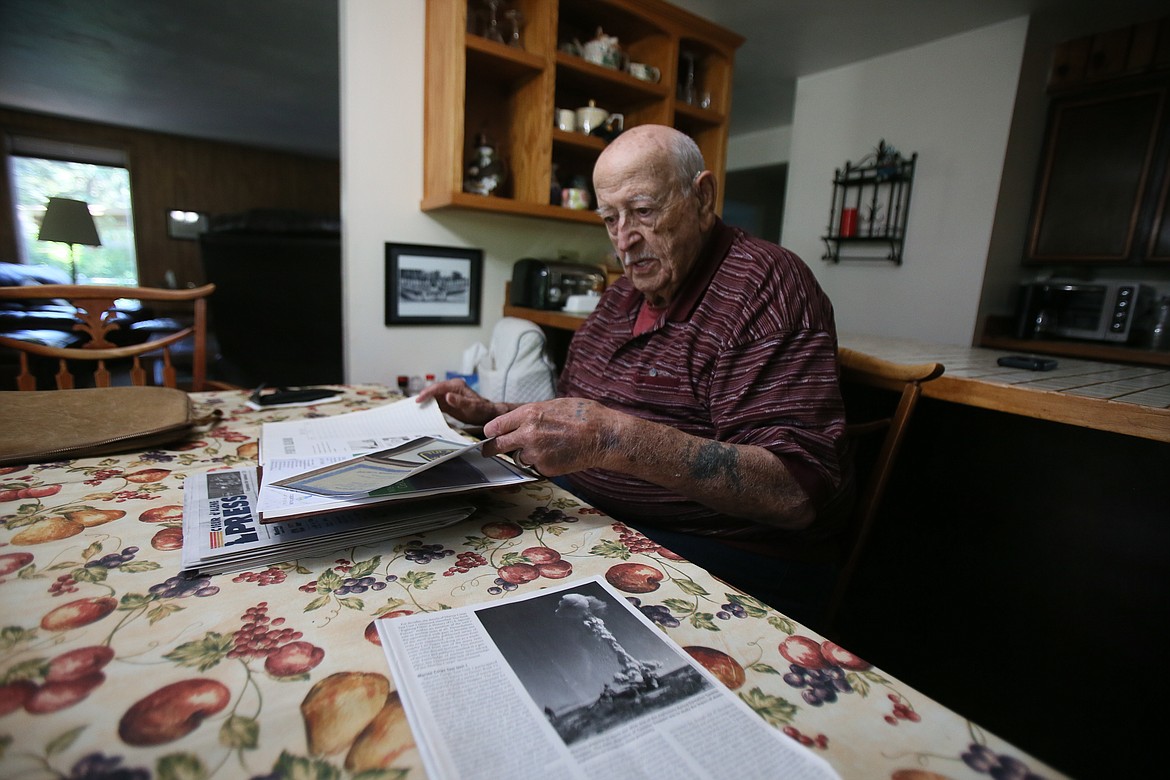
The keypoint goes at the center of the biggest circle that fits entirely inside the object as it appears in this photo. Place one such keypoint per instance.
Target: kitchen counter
(1126, 399)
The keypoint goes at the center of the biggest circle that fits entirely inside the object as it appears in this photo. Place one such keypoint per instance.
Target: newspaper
(293, 453)
(222, 531)
(573, 682)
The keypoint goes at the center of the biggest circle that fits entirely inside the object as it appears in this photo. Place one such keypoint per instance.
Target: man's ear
(705, 189)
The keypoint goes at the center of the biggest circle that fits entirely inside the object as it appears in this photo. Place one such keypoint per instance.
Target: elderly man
(699, 402)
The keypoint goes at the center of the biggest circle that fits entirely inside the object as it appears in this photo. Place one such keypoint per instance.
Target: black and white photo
(432, 285)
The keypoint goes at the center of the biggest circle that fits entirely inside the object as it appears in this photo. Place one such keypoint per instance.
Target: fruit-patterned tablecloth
(112, 663)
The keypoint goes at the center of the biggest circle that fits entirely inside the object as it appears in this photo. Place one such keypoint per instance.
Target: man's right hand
(461, 402)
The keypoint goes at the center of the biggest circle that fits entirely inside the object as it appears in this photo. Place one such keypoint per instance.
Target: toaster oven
(1105, 310)
(547, 284)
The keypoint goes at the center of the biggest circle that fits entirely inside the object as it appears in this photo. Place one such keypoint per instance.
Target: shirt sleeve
(782, 393)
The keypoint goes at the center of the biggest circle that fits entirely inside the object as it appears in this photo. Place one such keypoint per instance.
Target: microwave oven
(1110, 311)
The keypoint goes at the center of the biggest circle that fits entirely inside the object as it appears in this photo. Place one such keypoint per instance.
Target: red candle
(848, 222)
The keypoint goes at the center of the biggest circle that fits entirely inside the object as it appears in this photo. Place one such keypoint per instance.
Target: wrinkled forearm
(573, 434)
(738, 480)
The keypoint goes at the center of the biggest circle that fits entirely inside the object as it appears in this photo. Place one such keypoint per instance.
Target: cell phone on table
(282, 395)
(1030, 362)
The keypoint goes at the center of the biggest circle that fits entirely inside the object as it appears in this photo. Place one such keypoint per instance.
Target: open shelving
(509, 94)
(870, 206)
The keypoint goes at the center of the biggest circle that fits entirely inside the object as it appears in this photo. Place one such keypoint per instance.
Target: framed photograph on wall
(432, 285)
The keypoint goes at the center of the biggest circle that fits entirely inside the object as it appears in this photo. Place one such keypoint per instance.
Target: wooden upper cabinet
(1101, 193)
(1097, 164)
(508, 94)
(1128, 51)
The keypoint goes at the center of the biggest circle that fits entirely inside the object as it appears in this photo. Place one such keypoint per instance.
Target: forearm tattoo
(714, 461)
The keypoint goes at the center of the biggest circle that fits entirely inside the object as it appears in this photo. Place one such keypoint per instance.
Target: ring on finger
(517, 456)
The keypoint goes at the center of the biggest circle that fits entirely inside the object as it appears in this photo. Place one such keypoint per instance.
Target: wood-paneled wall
(173, 172)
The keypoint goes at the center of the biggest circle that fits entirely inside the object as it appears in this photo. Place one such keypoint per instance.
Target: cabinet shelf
(578, 140)
(502, 205)
(583, 76)
(507, 61)
(703, 116)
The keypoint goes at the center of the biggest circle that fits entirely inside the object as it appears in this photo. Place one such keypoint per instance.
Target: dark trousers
(798, 589)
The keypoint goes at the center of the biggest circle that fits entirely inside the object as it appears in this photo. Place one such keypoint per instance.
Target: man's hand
(461, 402)
(558, 436)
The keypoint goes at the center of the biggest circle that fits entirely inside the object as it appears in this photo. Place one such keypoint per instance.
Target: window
(43, 169)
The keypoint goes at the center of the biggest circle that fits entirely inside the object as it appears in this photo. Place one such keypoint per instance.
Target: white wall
(382, 45)
(951, 101)
(759, 148)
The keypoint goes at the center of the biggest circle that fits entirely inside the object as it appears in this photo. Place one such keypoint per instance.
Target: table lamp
(69, 221)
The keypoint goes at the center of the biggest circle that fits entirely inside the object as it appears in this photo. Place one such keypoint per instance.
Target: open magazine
(401, 450)
(573, 682)
(377, 471)
(222, 531)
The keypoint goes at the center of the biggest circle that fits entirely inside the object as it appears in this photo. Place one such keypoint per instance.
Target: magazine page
(361, 476)
(469, 472)
(347, 435)
(292, 449)
(222, 531)
(574, 682)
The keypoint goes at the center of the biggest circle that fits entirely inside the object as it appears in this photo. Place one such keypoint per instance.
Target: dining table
(114, 662)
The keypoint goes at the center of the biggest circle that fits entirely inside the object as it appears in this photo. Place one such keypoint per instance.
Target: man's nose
(626, 235)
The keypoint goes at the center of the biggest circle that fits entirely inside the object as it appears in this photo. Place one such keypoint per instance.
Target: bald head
(672, 155)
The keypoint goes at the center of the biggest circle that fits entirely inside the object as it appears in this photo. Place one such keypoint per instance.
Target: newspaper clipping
(586, 684)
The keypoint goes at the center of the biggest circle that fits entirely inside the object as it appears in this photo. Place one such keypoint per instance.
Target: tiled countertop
(1133, 400)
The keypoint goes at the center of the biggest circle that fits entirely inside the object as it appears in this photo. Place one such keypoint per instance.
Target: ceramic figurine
(485, 172)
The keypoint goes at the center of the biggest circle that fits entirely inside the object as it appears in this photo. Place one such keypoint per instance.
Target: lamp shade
(69, 221)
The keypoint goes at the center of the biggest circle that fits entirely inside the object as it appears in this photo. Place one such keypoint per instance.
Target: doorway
(754, 200)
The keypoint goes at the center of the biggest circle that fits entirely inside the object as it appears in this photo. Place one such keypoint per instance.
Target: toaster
(547, 284)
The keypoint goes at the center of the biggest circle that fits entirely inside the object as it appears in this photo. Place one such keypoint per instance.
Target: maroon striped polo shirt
(747, 354)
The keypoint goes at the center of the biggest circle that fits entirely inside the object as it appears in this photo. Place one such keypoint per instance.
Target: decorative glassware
(686, 85)
(492, 31)
(515, 25)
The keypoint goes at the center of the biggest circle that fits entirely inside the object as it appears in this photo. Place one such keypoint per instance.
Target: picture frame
(432, 285)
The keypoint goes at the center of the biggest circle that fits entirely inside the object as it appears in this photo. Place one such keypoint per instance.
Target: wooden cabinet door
(1095, 174)
(1160, 236)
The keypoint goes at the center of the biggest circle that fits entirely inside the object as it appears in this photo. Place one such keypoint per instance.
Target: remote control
(1028, 362)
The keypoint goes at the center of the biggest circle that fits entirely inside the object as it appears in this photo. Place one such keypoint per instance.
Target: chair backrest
(875, 436)
(96, 317)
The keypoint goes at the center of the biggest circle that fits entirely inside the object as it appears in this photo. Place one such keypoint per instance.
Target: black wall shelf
(871, 201)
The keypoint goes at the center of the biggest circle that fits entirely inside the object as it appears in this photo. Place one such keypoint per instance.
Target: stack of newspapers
(333, 482)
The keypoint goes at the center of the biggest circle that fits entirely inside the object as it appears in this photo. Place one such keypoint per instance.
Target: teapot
(591, 119)
(603, 50)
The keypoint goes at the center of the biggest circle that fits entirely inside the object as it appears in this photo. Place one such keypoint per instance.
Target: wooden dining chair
(96, 314)
(875, 424)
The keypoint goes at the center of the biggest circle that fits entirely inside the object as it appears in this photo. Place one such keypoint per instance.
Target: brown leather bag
(50, 425)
